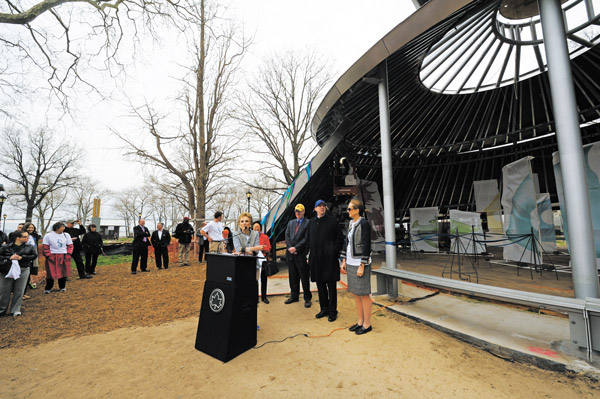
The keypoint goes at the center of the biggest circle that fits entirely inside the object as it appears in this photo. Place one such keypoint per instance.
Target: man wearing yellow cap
(295, 240)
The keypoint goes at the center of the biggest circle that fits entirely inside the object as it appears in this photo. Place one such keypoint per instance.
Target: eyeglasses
(350, 209)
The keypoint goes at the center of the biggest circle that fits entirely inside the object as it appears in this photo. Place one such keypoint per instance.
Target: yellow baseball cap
(299, 207)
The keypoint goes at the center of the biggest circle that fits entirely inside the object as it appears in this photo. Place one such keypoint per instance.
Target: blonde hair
(244, 214)
(356, 204)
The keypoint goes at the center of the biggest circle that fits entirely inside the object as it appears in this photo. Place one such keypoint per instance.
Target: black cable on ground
(275, 342)
(413, 300)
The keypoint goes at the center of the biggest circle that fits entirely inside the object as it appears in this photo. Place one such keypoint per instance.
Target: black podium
(227, 325)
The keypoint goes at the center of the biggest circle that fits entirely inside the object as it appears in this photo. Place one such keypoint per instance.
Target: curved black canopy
(441, 143)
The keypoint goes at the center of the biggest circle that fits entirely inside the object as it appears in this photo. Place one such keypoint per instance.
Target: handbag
(272, 268)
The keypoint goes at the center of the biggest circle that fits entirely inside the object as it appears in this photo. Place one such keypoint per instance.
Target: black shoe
(265, 300)
(94, 273)
(85, 277)
(322, 314)
(291, 300)
(146, 271)
(307, 304)
(355, 327)
(133, 272)
(159, 268)
(166, 267)
(363, 330)
(332, 316)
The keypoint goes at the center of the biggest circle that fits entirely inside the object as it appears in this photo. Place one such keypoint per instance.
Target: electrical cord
(412, 300)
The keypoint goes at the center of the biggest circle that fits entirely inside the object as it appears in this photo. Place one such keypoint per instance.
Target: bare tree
(47, 209)
(264, 196)
(82, 193)
(62, 39)
(277, 109)
(195, 154)
(37, 164)
(131, 205)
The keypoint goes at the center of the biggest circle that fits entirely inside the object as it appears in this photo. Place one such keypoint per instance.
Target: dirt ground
(121, 335)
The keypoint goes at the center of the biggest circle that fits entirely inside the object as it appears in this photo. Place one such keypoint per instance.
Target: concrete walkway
(505, 331)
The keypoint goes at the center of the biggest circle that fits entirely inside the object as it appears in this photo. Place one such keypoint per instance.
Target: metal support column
(568, 136)
(386, 176)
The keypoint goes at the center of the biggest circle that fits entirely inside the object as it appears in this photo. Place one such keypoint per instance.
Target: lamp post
(3, 198)
(248, 195)
(4, 224)
(139, 216)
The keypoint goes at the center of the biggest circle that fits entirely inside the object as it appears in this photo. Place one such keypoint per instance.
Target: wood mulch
(114, 298)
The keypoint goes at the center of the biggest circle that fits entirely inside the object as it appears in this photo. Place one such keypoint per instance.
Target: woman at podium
(246, 240)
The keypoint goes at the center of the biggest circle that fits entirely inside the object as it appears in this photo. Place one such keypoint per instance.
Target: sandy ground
(138, 341)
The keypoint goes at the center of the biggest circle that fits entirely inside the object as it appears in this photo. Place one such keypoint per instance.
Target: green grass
(107, 260)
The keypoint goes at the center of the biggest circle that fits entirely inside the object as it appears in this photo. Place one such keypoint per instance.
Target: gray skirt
(359, 285)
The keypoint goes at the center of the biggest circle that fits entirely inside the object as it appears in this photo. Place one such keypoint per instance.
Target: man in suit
(295, 240)
(160, 241)
(141, 242)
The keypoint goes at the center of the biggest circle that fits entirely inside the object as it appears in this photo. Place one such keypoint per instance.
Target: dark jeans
(328, 296)
(76, 256)
(91, 257)
(298, 271)
(139, 253)
(200, 252)
(62, 282)
(161, 255)
(263, 281)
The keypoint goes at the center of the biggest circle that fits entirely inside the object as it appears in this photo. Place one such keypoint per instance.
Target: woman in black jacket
(356, 258)
(92, 245)
(24, 254)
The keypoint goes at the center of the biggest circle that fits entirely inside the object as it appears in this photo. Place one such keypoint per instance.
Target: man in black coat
(75, 232)
(160, 241)
(140, 244)
(324, 239)
(184, 233)
(295, 241)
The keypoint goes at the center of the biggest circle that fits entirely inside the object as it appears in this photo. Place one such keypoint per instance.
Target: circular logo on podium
(216, 301)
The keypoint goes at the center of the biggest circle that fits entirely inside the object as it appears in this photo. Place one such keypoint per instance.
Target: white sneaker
(16, 314)
(63, 290)
(46, 291)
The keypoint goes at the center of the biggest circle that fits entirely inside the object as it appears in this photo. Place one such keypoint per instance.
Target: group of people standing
(322, 239)
(160, 239)
(59, 246)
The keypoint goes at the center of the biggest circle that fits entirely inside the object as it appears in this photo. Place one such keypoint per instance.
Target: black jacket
(184, 232)
(324, 239)
(139, 233)
(361, 242)
(164, 241)
(92, 241)
(75, 232)
(27, 252)
(3, 237)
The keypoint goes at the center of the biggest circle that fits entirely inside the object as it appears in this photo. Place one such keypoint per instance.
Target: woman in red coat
(57, 247)
(263, 240)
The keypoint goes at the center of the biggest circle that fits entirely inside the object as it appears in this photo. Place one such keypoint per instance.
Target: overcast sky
(341, 30)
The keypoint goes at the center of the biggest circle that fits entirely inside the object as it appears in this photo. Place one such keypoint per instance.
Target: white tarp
(520, 211)
(424, 229)
(487, 199)
(547, 233)
(487, 196)
(591, 153)
(368, 193)
(465, 224)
